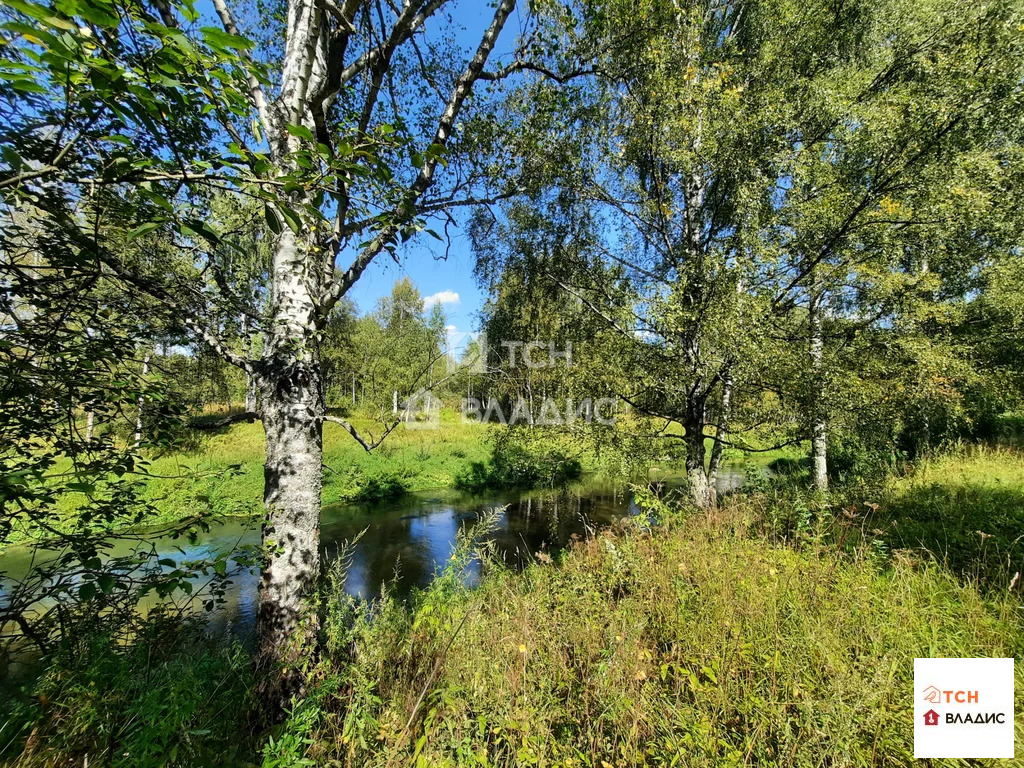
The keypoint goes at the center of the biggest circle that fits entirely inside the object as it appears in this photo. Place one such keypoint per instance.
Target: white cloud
(441, 297)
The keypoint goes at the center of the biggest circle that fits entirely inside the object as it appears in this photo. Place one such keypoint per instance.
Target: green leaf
(142, 229)
(292, 218)
(300, 131)
(201, 228)
(218, 38)
(273, 220)
(99, 13)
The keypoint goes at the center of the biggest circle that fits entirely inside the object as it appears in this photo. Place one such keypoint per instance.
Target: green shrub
(521, 460)
(171, 697)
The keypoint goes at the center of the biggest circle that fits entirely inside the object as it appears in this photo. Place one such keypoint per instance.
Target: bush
(699, 644)
(521, 460)
(384, 485)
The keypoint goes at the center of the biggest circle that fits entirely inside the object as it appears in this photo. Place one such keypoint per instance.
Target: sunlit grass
(226, 470)
(697, 644)
(965, 508)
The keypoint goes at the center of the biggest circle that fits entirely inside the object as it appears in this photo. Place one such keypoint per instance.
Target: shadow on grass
(787, 466)
(975, 529)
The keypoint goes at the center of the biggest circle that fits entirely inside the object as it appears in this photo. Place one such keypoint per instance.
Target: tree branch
(528, 66)
(368, 447)
(256, 95)
(425, 177)
(249, 416)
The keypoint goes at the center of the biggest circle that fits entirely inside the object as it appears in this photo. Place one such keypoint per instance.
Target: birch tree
(745, 162)
(140, 110)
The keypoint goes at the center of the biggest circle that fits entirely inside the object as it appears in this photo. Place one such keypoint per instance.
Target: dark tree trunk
(722, 428)
(701, 491)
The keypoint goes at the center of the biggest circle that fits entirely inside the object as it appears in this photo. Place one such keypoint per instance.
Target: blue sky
(446, 279)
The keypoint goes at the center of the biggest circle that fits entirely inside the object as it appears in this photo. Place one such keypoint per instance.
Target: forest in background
(780, 233)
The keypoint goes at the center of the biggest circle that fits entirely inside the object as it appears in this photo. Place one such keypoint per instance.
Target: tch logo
(935, 696)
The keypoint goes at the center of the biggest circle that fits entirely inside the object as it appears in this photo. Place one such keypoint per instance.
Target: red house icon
(931, 717)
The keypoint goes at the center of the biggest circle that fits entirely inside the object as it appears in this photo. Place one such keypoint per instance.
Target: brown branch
(528, 66)
(368, 447)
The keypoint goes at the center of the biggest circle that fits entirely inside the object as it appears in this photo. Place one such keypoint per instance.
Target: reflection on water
(406, 548)
(406, 540)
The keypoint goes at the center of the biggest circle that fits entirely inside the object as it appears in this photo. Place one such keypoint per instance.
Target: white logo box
(970, 702)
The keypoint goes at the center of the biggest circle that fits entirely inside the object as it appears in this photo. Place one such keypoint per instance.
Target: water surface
(404, 541)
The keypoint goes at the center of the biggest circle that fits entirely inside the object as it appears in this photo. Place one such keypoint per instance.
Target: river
(404, 540)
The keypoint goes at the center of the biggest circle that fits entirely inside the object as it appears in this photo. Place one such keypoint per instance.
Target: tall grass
(964, 508)
(779, 630)
(695, 644)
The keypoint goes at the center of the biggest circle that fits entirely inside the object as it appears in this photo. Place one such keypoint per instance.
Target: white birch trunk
(250, 393)
(819, 427)
(137, 439)
(702, 492)
(251, 400)
(292, 412)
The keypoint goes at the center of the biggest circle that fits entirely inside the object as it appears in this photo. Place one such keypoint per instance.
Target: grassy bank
(227, 468)
(704, 642)
(222, 470)
(779, 630)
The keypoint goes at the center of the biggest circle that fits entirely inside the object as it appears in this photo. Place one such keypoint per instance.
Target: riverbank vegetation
(780, 629)
(782, 234)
